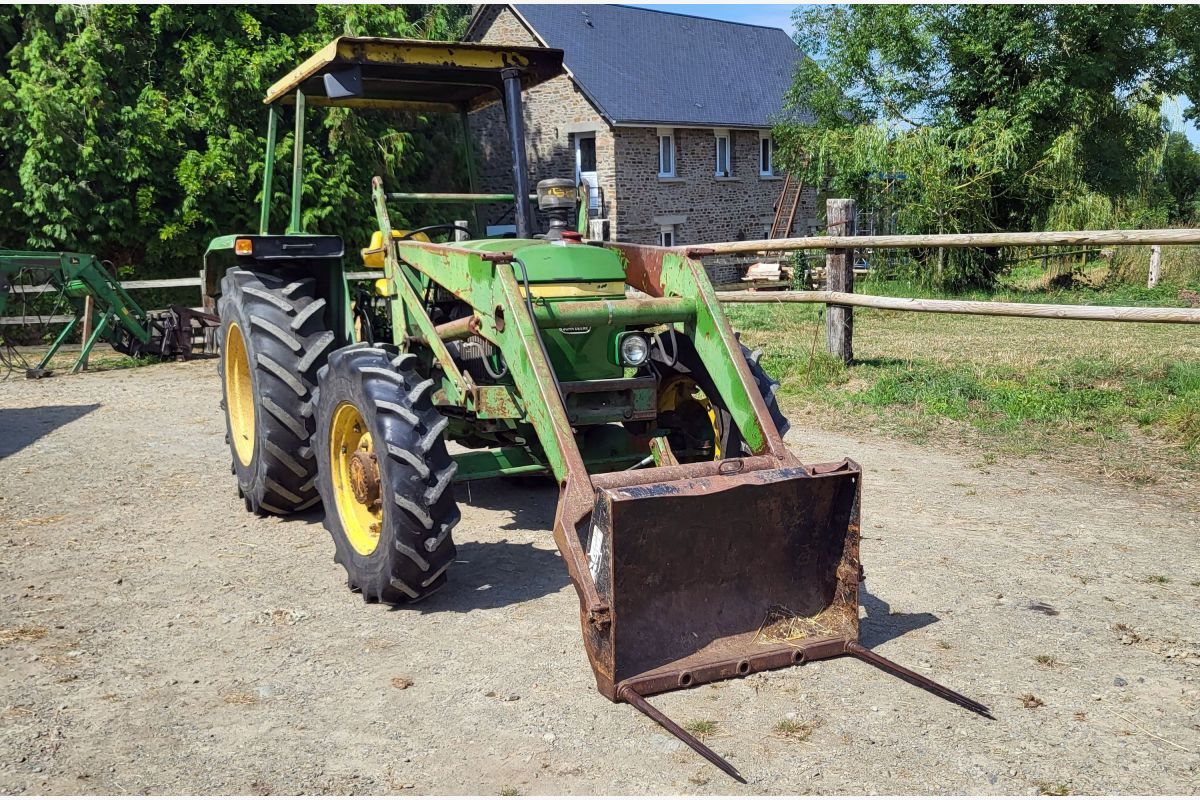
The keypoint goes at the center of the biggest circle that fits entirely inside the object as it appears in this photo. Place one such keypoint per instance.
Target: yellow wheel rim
(681, 391)
(239, 395)
(356, 479)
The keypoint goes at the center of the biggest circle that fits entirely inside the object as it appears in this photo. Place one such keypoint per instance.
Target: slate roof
(640, 66)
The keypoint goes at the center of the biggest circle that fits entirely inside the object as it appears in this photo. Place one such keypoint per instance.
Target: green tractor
(701, 549)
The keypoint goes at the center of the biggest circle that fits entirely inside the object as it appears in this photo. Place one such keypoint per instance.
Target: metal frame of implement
(117, 317)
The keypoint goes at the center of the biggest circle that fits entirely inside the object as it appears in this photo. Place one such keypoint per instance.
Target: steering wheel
(445, 226)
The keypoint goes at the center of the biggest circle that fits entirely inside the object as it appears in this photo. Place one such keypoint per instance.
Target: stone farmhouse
(667, 116)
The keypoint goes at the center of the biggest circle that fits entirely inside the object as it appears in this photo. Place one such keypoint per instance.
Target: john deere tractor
(700, 547)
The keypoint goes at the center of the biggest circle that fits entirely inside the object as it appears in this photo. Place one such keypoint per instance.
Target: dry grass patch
(240, 698)
(794, 730)
(30, 522)
(14, 712)
(23, 633)
(1053, 789)
(701, 728)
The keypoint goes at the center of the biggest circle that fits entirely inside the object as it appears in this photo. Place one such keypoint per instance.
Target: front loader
(700, 547)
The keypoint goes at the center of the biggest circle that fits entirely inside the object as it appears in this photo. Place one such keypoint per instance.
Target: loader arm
(663, 272)
(685, 573)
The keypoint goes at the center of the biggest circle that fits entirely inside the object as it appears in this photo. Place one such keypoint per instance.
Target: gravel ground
(156, 638)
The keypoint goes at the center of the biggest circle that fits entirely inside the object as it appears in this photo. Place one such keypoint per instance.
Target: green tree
(998, 117)
(137, 132)
(1181, 178)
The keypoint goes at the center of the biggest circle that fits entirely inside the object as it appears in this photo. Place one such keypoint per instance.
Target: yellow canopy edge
(417, 75)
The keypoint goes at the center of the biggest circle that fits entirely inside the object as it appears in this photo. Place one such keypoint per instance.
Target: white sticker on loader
(595, 551)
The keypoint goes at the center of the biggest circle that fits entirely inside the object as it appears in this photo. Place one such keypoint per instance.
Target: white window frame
(666, 235)
(720, 134)
(593, 175)
(765, 138)
(666, 136)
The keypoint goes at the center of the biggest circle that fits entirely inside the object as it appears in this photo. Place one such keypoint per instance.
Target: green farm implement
(86, 287)
(700, 547)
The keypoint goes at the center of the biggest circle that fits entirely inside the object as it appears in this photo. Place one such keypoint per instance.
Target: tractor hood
(578, 270)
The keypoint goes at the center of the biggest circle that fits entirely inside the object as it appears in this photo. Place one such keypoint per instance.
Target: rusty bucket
(719, 576)
(704, 572)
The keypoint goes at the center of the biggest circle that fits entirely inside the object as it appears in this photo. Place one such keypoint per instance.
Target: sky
(780, 16)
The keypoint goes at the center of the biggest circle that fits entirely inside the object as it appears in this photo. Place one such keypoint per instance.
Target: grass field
(1123, 399)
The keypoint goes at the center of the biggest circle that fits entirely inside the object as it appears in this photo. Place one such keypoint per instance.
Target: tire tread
(287, 338)
(416, 472)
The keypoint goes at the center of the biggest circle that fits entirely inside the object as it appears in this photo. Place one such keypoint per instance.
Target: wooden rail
(1158, 236)
(57, 319)
(1190, 316)
(53, 319)
(839, 259)
(162, 283)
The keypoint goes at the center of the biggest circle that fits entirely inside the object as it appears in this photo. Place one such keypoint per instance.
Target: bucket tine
(887, 665)
(637, 701)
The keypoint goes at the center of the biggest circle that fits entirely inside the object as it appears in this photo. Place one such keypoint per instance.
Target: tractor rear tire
(384, 474)
(273, 339)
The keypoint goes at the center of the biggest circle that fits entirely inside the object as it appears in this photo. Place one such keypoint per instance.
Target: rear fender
(318, 257)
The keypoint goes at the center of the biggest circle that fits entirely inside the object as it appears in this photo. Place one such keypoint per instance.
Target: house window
(666, 235)
(724, 169)
(766, 156)
(666, 153)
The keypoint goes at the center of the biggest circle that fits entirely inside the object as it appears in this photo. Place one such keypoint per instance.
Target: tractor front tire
(768, 387)
(273, 339)
(384, 474)
(687, 361)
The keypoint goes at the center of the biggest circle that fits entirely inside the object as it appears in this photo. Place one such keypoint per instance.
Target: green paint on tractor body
(682, 518)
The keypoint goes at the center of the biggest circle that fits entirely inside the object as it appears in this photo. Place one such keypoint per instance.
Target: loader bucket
(721, 575)
(708, 571)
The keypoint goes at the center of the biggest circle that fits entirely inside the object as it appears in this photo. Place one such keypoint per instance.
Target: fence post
(839, 277)
(1155, 265)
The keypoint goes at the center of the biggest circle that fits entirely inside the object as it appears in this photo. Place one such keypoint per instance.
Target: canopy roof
(416, 75)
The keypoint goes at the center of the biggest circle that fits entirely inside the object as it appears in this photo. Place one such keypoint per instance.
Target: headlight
(634, 349)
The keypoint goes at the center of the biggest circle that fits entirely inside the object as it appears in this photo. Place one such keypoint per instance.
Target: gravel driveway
(156, 638)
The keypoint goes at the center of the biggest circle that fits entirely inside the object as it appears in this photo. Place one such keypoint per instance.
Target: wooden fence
(52, 319)
(840, 298)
